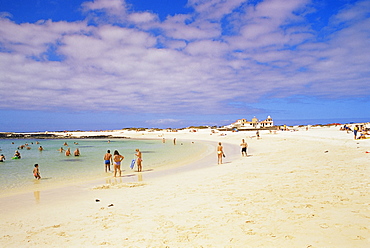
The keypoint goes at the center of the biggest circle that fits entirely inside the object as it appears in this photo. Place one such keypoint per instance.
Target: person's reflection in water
(139, 177)
(36, 194)
(117, 181)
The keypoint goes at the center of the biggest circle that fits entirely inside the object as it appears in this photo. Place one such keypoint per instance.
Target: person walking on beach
(139, 159)
(36, 172)
(108, 161)
(117, 158)
(220, 153)
(244, 146)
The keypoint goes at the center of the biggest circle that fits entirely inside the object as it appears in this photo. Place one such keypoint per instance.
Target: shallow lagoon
(58, 169)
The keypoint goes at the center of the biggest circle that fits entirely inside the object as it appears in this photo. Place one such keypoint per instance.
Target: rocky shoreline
(51, 136)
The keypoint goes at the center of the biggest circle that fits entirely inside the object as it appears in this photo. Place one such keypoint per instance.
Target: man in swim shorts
(108, 161)
(244, 146)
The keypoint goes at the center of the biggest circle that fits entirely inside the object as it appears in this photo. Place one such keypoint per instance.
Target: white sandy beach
(295, 189)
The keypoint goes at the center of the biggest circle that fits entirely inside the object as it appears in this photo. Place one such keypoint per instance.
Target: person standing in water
(220, 153)
(68, 152)
(117, 158)
(76, 152)
(139, 159)
(244, 146)
(2, 158)
(36, 172)
(108, 161)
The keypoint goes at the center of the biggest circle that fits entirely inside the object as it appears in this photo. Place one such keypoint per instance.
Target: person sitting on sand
(363, 135)
(117, 158)
(68, 152)
(139, 159)
(36, 172)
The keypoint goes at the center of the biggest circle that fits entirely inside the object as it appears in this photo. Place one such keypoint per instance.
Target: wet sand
(295, 189)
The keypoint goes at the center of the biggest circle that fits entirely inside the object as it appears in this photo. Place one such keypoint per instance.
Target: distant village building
(243, 124)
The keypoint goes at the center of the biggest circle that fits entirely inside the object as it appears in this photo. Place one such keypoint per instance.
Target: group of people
(116, 160)
(76, 153)
(221, 154)
(360, 130)
(26, 146)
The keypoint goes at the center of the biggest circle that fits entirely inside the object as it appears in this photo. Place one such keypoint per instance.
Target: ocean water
(58, 169)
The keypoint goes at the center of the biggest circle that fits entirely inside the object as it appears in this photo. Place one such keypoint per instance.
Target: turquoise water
(56, 168)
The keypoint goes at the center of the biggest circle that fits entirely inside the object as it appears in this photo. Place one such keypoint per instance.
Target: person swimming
(17, 155)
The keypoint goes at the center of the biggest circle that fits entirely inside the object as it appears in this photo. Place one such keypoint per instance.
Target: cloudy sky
(110, 64)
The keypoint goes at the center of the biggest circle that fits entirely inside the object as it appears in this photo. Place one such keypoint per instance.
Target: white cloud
(214, 9)
(176, 28)
(144, 17)
(189, 65)
(111, 7)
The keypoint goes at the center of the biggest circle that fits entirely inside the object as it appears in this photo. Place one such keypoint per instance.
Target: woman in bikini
(117, 159)
(220, 153)
(139, 159)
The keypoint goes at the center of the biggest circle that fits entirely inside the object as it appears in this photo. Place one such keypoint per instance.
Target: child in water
(36, 172)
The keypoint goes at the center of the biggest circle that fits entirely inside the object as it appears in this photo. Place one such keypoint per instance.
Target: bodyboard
(132, 163)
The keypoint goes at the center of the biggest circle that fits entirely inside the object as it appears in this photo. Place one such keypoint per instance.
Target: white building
(243, 124)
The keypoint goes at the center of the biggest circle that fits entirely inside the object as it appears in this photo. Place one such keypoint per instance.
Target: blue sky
(110, 64)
